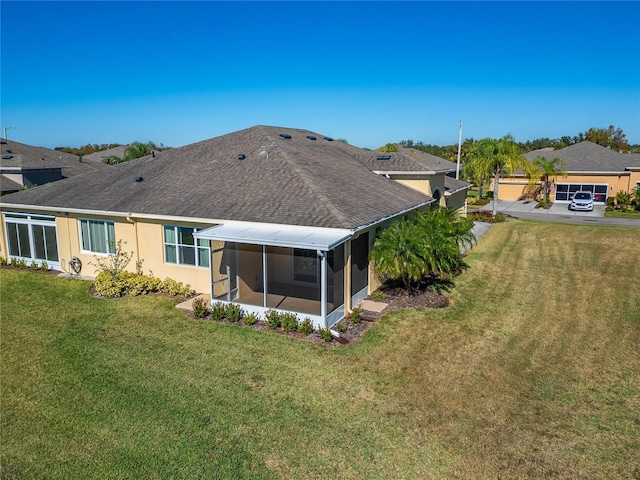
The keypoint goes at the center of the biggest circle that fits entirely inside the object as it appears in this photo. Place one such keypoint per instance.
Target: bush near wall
(123, 283)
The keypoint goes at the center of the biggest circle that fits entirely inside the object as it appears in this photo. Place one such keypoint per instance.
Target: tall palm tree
(546, 169)
(497, 157)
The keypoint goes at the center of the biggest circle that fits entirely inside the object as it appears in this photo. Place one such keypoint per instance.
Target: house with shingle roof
(267, 217)
(588, 166)
(421, 171)
(25, 166)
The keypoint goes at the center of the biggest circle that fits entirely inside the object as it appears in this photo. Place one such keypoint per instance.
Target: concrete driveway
(512, 208)
(559, 212)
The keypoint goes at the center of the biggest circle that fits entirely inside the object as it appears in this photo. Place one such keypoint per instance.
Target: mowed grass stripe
(520, 377)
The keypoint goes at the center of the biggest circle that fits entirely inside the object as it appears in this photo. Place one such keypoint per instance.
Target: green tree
(546, 169)
(497, 157)
(410, 250)
(389, 148)
(399, 252)
(611, 137)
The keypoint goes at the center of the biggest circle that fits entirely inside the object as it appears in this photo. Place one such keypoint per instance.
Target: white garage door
(564, 191)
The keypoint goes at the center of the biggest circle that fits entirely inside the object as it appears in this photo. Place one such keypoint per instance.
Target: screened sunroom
(300, 270)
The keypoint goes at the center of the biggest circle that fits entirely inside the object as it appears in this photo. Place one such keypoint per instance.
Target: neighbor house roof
(260, 174)
(8, 185)
(589, 157)
(18, 156)
(103, 155)
(406, 160)
(453, 185)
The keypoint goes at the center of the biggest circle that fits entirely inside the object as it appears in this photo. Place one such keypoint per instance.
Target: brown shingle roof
(405, 160)
(295, 181)
(589, 157)
(22, 156)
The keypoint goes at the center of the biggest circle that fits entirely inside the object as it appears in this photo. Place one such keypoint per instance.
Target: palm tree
(399, 252)
(410, 250)
(546, 169)
(497, 157)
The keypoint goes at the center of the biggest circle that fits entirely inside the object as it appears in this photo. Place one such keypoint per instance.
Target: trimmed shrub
(325, 334)
(306, 326)
(200, 308)
(218, 311)
(233, 312)
(273, 319)
(356, 315)
(379, 296)
(108, 284)
(250, 319)
(175, 288)
(341, 327)
(289, 322)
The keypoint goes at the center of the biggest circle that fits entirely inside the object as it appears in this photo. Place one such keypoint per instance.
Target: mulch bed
(32, 270)
(397, 298)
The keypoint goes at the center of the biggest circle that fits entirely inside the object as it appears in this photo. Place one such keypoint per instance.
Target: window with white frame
(31, 236)
(181, 248)
(98, 236)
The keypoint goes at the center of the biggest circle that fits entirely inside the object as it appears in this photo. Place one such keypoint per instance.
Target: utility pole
(5, 131)
(459, 147)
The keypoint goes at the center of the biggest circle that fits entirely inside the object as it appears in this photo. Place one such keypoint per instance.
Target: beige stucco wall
(143, 238)
(427, 185)
(515, 188)
(458, 201)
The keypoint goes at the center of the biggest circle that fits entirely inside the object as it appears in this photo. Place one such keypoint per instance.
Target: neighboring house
(421, 171)
(267, 217)
(588, 166)
(26, 166)
(103, 155)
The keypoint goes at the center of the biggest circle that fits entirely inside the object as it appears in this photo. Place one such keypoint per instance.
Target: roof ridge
(324, 199)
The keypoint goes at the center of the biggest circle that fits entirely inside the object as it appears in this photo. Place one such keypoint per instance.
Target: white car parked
(582, 201)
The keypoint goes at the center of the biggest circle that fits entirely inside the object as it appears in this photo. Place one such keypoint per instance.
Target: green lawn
(533, 372)
(618, 214)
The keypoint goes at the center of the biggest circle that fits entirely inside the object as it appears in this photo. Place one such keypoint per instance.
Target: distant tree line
(611, 137)
(133, 150)
(88, 148)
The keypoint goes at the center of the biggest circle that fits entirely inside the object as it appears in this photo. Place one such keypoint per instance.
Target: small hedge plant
(250, 319)
(356, 315)
(486, 216)
(306, 326)
(218, 311)
(123, 283)
(273, 319)
(200, 308)
(233, 312)
(325, 334)
(289, 322)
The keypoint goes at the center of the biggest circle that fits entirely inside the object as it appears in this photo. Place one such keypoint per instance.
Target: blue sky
(370, 72)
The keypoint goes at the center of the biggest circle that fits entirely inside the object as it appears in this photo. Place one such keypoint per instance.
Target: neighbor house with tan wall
(587, 166)
(267, 217)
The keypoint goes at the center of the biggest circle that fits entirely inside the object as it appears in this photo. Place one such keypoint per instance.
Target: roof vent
(311, 137)
(139, 179)
(328, 139)
(80, 158)
(7, 157)
(383, 157)
(285, 135)
(3, 141)
(241, 156)
(8, 150)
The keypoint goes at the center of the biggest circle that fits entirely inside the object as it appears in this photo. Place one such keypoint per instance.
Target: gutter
(422, 172)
